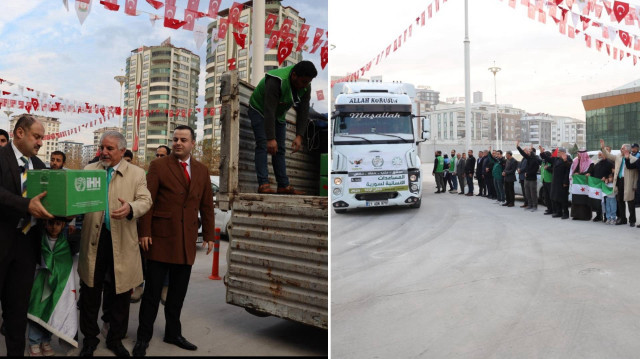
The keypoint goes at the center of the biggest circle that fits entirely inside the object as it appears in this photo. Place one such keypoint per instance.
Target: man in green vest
(438, 172)
(276, 93)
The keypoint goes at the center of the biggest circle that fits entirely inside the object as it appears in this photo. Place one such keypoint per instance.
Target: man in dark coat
(460, 166)
(531, 176)
(482, 187)
(488, 175)
(509, 175)
(469, 170)
(19, 247)
(561, 166)
(522, 167)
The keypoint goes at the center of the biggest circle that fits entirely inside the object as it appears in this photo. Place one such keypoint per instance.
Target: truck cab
(375, 147)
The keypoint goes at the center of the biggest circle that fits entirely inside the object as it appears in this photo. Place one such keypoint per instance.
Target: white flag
(83, 8)
(199, 35)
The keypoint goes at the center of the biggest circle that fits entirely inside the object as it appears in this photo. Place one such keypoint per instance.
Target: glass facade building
(614, 117)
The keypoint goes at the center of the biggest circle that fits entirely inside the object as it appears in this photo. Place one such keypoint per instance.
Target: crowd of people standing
(496, 173)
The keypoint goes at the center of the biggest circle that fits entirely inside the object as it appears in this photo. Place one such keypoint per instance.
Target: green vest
(440, 167)
(544, 173)
(497, 169)
(286, 97)
(452, 164)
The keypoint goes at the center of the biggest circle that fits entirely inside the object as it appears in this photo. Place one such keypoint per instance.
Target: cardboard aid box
(69, 192)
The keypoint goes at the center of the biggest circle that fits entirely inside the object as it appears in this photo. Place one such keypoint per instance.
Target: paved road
(464, 278)
(218, 328)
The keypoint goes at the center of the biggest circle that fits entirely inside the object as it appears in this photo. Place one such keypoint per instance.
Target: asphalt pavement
(217, 328)
(462, 277)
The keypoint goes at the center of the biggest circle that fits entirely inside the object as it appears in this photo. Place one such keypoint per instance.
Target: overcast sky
(542, 70)
(44, 47)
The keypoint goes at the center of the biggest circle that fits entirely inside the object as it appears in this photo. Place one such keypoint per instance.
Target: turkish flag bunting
(223, 25)
(388, 51)
(6, 93)
(317, 36)
(625, 38)
(635, 60)
(324, 55)
(193, 5)
(269, 23)
(232, 64)
(273, 39)
(110, 4)
(585, 22)
(35, 103)
(190, 19)
(620, 9)
(301, 43)
(234, 12)
(156, 4)
(304, 30)
(27, 107)
(286, 26)
(315, 47)
(542, 17)
(587, 40)
(240, 39)
(429, 9)
(287, 37)
(214, 6)
(531, 12)
(284, 50)
(320, 95)
(130, 7)
(437, 5)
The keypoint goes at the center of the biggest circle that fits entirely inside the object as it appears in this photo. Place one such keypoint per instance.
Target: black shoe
(88, 349)
(620, 222)
(597, 219)
(632, 224)
(566, 216)
(461, 193)
(556, 215)
(3, 331)
(505, 204)
(118, 349)
(547, 212)
(181, 342)
(140, 349)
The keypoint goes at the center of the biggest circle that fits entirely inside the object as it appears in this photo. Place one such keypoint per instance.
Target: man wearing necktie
(625, 178)
(180, 187)
(19, 244)
(109, 246)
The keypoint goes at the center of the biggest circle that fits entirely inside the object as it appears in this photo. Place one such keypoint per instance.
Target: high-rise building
(167, 77)
(71, 149)
(613, 116)
(88, 153)
(51, 125)
(568, 131)
(97, 134)
(536, 129)
(220, 51)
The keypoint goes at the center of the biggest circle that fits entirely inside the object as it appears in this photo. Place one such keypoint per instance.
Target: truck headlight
(337, 191)
(337, 181)
(414, 187)
(413, 178)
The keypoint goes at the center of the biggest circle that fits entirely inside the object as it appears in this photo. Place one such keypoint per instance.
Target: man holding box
(109, 246)
(19, 247)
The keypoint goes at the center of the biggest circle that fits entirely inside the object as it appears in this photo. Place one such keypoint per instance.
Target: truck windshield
(367, 123)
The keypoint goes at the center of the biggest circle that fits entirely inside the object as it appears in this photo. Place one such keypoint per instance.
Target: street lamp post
(494, 69)
(121, 79)
(467, 78)
(8, 113)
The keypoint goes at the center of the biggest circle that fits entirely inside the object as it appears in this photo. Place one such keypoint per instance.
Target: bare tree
(209, 155)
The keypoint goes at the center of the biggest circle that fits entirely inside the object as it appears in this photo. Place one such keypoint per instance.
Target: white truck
(375, 147)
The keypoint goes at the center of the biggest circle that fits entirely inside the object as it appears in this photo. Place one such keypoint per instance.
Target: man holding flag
(625, 180)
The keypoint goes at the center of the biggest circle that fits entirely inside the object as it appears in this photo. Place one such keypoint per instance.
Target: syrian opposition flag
(53, 297)
(589, 190)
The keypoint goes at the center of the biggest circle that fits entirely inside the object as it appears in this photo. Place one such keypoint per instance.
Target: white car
(221, 217)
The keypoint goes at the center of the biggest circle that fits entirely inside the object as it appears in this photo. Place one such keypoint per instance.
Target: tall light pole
(257, 41)
(121, 79)
(467, 78)
(495, 70)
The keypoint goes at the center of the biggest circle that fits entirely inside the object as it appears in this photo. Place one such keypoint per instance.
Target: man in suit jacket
(19, 241)
(109, 246)
(462, 160)
(509, 175)
(180, 187)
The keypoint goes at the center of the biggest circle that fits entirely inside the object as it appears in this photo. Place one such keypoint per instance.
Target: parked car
(221, 217)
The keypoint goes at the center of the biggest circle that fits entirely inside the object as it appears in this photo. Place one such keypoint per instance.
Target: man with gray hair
(625, 178)
(109, 246)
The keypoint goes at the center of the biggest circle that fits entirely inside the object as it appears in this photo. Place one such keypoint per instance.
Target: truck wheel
(257, 313)
(417, 204)
(340, 210)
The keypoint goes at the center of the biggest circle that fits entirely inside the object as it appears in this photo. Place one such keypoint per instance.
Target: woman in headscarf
(581, 166)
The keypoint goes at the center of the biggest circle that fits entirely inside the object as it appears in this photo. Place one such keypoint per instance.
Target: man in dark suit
(180, 187)
(19, 244)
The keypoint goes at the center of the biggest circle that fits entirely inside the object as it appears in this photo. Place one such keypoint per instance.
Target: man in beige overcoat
(109, 246)
(625, 180)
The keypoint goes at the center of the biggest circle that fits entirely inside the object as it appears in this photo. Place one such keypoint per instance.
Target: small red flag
(240, 39)
(324, 55)
(156, 4)
(223, 25)
(193, 5)
(317, 36)
(232, 64)
(626, 39)
(35, 103)
(273, 39)
(110, 4)
(620, 10)
(320, 95)
(269, 23)
(234, 12)
(302, 35)
(130, 7)
(284, 50)
(285, 26)
(190, 19)
(214, 6)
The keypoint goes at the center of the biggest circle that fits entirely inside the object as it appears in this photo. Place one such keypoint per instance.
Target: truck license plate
(383, 202)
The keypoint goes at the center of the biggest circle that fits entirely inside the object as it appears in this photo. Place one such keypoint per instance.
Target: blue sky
(44, 47)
